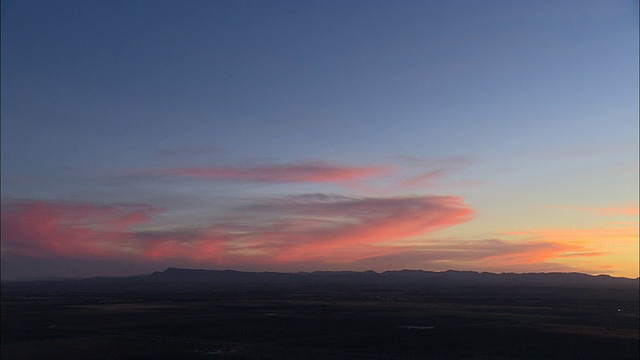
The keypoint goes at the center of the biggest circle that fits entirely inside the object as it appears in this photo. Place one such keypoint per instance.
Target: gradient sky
(272, 135)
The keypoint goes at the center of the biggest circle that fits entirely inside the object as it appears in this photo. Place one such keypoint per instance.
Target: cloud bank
(316, 231)
(312, 227)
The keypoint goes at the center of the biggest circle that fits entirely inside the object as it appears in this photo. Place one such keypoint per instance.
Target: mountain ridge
(192, 277)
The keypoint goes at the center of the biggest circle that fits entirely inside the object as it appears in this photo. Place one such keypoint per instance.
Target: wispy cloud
(603, 234)
(427, 178)
(497, 255)
(186, 151)
(271, 231)
(310, 172)
(41, 228)
(323, 227)
(422, 162)
(606, 211)
(431, 172)
(81, 230)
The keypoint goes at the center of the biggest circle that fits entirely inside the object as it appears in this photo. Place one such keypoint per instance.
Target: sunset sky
(311, 135)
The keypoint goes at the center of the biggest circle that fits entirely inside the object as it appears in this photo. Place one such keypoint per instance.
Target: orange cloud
(304, 172)
(495, 255)
(530, 253)
(611, 249)
(602, 235)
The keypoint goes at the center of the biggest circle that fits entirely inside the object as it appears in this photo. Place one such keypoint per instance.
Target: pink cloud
(320, 227)
(54, 229)
(303, 172)
(274, 231)
(38, 228)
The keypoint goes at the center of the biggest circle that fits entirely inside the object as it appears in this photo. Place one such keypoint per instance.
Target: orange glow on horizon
(316, 231)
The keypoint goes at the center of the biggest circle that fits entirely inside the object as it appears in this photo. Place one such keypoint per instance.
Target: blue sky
(525, 113)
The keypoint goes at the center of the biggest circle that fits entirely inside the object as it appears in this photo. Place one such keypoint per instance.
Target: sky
(496, 136)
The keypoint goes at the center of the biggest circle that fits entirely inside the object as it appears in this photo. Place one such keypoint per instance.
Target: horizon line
(63, 278)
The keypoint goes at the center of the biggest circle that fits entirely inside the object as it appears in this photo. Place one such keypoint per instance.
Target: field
(320, 322)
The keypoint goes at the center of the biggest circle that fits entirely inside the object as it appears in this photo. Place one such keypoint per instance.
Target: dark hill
(445, 278)
(186, 279)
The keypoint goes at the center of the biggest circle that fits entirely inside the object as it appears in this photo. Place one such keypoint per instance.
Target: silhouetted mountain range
(177, 276)
(193, 277)
(401, 276)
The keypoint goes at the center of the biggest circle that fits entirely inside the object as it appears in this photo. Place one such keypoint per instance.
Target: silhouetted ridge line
(415, 277)
(177, 277)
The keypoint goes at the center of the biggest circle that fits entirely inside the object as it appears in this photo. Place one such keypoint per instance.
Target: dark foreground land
(110, 320)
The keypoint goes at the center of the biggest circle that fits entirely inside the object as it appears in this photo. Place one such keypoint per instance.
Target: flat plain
(297, 321)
